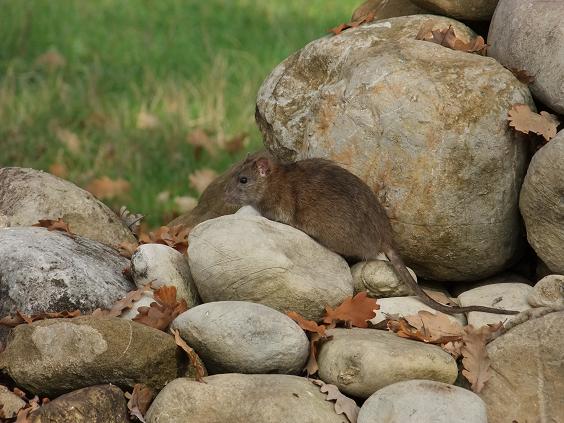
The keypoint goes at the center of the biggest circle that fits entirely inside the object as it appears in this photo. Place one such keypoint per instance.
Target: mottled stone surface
(473, 10)
(425, 126)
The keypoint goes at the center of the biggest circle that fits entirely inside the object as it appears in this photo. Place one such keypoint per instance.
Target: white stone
(548, 292)
(379, 278)
(163, 265)
(250, 258)
(423, 401)
(508, 296)
(243, 337)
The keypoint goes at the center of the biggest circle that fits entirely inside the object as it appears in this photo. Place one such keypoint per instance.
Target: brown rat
(330, 204)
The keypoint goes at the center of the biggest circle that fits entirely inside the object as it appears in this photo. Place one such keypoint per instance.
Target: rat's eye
(243, 179)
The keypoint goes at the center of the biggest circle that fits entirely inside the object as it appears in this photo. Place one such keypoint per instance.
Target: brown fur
(331, 205)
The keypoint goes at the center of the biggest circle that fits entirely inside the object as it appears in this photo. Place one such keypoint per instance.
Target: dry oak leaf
(523, 119)
(69, 139)
(200, 179)
(441, 297)
(446, 37)
(173, 236)
(354, 311)
(305, 324)
(435, 328)
(107, 188)
(163, 311)
(475, 359)
(369, 17)
(139, 401)
(193, 357)
(54, 225)
(343, 404)
(19, 317)
(125, 303)
(51, 59)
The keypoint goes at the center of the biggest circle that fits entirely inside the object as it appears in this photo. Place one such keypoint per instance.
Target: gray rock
(509, 296)
(102, 403)
(377, 101)
(423, 401)
(43, 270)
(55, 356)
(542, 206)
(527, 365)
(361, 361)
(243, 337)
(548, 292)
(163, 265)
(528, 35)
(379, 278)
(238, 398)
(406, 306)
(384, 9)
(27, 195)
(472, 10)
(10, 403)
(250, 258)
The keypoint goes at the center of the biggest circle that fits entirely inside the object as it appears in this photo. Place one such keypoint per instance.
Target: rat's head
(248, 183)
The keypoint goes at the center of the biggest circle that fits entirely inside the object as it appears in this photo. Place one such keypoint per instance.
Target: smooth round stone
(244, 337)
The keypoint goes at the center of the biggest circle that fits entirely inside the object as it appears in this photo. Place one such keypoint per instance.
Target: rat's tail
(406, 278)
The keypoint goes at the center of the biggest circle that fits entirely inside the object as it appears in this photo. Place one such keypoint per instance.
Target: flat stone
(361, 361)
(548, 292)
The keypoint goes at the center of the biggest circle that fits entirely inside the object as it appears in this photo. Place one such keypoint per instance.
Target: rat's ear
(263, 166)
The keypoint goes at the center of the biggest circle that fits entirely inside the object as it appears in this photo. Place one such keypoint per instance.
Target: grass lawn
(116, 87)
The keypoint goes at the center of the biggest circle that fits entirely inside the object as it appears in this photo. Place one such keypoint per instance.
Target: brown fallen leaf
(200, 179)
(173, 236)
(441, 297)
(184, 204)
(127, 249)
(139, 401)
(54, 225)
(200, 140)
(305, 324)
(58, 169)
(125, 303)
(18, 318)
(355, 311)
(522, 75)
(446, 37)
(163, 311)
(454, 348)
(475, 356)
(107, 188)
(235, 144)
(369, 17)
(52, 60)
(192, 356)
(343, 404)
(435, 328)
(524, 120)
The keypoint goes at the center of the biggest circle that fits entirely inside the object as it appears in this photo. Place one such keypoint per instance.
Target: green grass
(192, 64)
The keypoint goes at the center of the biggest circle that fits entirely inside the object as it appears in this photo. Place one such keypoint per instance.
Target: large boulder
(423, 401)
(246, 257)
(527, 366)
(425, 126)
(361, 361)
(52, 357)
(472, 10)
(239, 398)
(43, 270)
(28, 195)
(529, 35)
(542, 206)
(243, 337)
